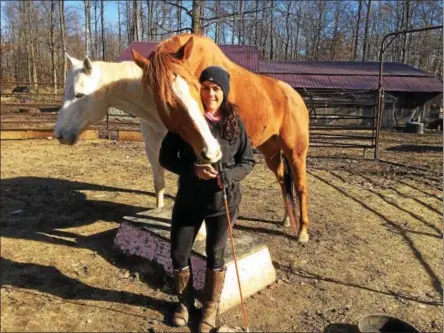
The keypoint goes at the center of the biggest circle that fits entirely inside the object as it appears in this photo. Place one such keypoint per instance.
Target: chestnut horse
(274, 114)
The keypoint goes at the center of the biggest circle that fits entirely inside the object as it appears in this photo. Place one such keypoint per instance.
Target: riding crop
(224, 188)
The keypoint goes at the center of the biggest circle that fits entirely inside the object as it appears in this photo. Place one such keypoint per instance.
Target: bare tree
(271, 32)
(406, 26)
(217, 27)
(52, 45)
(195, 16)
(137, 24)
(119, 24)
(96, 51)
(35, 33)
(87, 6)
(367, 20)
(179, 13)
(358, 26)
(102, 28)
(62, 35)
(32, 45)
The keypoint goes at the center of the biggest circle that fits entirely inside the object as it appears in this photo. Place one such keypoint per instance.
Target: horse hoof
(286, 222)
(303, 237)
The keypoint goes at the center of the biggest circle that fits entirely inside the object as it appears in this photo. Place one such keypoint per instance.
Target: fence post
(107, 124)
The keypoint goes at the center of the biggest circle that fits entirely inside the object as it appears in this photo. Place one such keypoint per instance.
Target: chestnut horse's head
(176, 92)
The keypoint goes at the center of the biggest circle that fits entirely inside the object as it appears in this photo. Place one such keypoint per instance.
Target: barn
(345, 89)
(410, 92)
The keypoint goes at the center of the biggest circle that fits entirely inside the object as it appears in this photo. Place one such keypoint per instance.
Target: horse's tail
(288, 182)
(289, 194)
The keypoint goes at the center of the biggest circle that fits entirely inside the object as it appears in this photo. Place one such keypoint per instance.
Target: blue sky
(110, 9)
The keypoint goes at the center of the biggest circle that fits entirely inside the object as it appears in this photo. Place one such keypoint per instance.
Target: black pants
(185, 225)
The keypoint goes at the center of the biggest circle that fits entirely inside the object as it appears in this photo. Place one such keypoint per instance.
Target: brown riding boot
(214, 283)
(183, 283)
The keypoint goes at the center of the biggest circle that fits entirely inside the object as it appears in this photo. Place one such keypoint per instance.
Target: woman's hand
(205, 171)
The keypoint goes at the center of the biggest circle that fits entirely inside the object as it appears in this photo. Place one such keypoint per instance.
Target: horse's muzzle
(66, 139)
(210, 158)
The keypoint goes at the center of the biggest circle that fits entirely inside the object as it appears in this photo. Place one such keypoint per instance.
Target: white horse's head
(84, 102)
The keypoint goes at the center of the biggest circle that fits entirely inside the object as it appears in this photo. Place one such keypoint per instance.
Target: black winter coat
(178, 157)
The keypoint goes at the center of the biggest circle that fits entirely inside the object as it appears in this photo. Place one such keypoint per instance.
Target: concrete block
(147, 235)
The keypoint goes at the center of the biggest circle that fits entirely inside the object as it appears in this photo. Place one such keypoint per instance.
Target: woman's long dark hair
(229, 127)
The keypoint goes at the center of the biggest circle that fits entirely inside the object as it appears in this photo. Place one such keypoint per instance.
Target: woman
(200, 196)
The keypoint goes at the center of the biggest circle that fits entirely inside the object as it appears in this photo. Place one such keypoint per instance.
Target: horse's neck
(124, 90)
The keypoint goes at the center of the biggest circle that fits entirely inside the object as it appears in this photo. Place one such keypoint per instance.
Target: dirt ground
(375, 247)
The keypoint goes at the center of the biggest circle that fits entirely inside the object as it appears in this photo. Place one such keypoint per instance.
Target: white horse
(94, 86)
(91, 88)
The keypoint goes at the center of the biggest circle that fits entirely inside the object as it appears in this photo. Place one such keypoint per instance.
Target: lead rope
(230, 229)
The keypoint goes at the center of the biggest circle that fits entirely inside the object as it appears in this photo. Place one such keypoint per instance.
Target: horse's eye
(79, 95)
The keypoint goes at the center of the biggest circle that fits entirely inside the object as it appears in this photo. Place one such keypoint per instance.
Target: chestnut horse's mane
(160, 65)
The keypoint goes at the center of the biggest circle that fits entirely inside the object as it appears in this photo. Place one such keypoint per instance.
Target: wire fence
(345, 119)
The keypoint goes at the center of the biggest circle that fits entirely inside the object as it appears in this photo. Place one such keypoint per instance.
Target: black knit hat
(217, 75)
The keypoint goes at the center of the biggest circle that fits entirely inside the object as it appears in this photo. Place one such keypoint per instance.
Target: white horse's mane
(119, 74)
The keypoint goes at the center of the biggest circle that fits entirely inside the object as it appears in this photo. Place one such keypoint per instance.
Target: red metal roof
(350, 75)
(366, 82)
(337, 68)
(320, 74)
(244, 55)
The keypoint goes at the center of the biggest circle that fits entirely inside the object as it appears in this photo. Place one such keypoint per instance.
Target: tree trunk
(103, 29)
(287, 30)
(358, 25)
(298, 25)
(405, 27)
(240, 36)
(271, 32)
(335, 37)
(364, 49)
(224, 34)
(87, 5)
(217, 27)
(202, 17)
(263, 31)
(128, 19)
(24, 22)
(233, 26)
(94, 31)
(52, 45)
(179, 14)
(119, 25)
(256, 18)
(62, 34)
(195, 16)
(136, 12)
(319, 26)
(149, 4)
(32, 49)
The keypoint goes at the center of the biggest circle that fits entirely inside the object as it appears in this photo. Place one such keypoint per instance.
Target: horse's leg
(271, 151)
(153, 139)
(297, 158)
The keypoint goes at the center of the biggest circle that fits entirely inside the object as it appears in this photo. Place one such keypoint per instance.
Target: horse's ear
(139, 59)
(185, 50)
(87, 65)
(74, 62)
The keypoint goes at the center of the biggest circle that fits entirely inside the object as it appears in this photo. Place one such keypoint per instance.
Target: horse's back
(267, 104)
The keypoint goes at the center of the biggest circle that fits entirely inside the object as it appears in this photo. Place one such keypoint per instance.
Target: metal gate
(344, 118)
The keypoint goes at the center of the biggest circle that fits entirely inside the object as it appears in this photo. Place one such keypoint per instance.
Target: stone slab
(147, 235)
